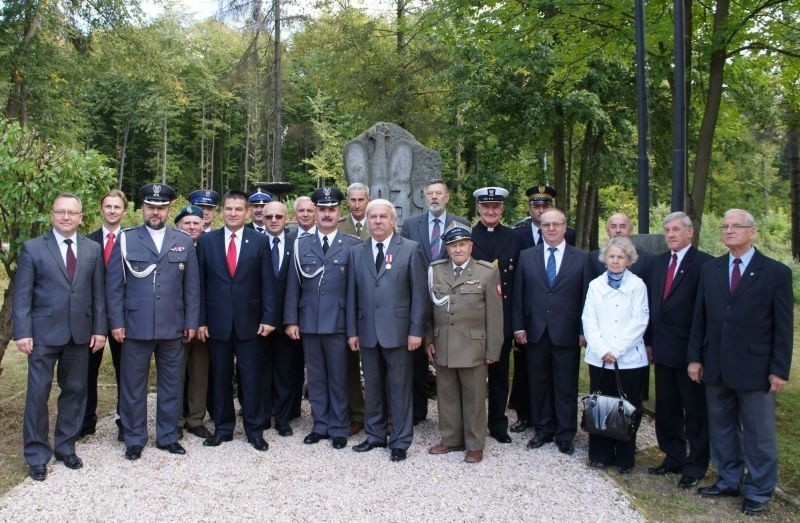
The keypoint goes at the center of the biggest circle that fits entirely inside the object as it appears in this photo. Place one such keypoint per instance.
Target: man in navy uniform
(314, 307)
(207, 200)
(153, 299)
(497, 244)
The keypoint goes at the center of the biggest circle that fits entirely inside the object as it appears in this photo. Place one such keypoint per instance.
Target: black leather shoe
(313, 438)
(172, 448)
(566, 447)
(688, 481)
(216, 441)
(366, 446)
(537, 442)
(339, 442)
(597, 464)
(285, 431)
(502, 437)
(715, 492)
(180, 434)
(520, 426)
(258, 443)
(753, 508)
(37, 472)
(71, 461)
(663, 470)
(624, 470)
(417, 421)
(398, 455)
(200, 431)
(133, 452)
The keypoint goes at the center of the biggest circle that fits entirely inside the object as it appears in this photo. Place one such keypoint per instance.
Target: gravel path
(297, 482)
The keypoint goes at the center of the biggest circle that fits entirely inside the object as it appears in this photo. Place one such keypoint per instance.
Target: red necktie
(70, 260)
(232, 255)
(109, 247)
(670, 276)
(736, 275)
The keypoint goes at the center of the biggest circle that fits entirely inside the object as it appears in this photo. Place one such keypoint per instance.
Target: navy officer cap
(156, 194)
(204, 198)
(189, 210)
(490, 194)
(541, 194)
(260, 197)
(456, 232)
(327, 197)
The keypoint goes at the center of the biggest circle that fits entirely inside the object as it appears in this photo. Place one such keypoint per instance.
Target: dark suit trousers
(388, 369)
(498, 390)
(742, 434)
(519, 387)
(553, 387)
(680, 419)
(95, 359)
(327, 368)
(250, 364)
(420, 382)
(195, 389)
(606, 450)
(356, 401)
(73, 362)
(299, 378)
(279, 391)
(135, 367)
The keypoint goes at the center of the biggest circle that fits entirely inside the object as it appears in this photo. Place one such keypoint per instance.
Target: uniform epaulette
(485, 263)
(439, 262)
(351, 235)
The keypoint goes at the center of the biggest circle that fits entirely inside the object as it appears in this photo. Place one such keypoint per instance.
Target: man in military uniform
(257, 201)
(153, 300)
(207, 200)
(497, 244)
(467, 336)
(318, 279)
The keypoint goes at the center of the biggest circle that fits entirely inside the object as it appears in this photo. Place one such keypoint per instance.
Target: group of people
(256, 303)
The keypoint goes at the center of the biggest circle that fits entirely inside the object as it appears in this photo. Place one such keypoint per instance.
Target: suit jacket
(501, 247)
(416, 228)
(468, 327)
(346, 226)
(742, 338)
(239, 304)
(385, 307)
(165, 303)
(524, 232)
(283, 274)
(316, 304)
(671, 319)
(50, 308)
(536, 307)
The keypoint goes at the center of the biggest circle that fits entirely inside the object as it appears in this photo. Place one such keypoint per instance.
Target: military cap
(260, 197)
(327, 197)
(156, 194)
(490, 194)
(541, 194)
(456, 232)
(204, 198)
(189, 210)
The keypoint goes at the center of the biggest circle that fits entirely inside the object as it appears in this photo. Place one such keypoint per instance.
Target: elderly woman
(615, 317)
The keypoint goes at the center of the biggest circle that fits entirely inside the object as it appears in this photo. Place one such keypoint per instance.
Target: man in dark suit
(497, 244)
(238, 309)
(355, 223)
(549, 290)
(680, 402)
(153, 301)
(314, 307)
(280, 361)
(59, 315)
(740, 346)
(619, 224)
(113, 205)
(207, 200)
(426, 229)
(387, 305)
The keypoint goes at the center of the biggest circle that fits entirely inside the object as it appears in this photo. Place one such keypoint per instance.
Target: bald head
(619, 224)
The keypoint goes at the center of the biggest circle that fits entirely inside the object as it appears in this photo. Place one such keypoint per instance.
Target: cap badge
(156, 190)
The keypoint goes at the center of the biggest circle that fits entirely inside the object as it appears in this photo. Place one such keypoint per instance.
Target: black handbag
(611, 416)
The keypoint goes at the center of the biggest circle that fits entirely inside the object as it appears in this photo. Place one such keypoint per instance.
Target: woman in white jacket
(614, 318)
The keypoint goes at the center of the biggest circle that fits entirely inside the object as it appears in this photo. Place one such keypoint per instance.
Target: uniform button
(158, 297)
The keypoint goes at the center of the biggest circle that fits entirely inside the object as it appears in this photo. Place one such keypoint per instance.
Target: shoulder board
(350, 235)
(130, 228)
(439, 262)
(490, 265)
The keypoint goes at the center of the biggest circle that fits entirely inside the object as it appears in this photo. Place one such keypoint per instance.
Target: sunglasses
(273, 217)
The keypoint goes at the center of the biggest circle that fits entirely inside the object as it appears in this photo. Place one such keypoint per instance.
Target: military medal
(388, 261)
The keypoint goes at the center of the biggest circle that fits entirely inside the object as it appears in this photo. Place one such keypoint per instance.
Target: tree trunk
(5, 321)
(277, 140)
(583, 219)
(559, 162)
(164, 157)
(125, 133)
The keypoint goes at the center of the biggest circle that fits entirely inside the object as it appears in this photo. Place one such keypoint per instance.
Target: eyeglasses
(551, 225)
(273, 217)
(734, 227)
(64, 213)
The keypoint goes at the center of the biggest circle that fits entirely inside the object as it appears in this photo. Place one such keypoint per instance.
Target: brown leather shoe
(474, 456)
(443, 449)
(355, 427)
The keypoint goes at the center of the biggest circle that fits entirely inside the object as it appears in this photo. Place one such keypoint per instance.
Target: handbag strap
(619, 381)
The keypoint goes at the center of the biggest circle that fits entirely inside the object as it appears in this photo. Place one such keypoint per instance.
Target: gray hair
(678, 215)
(357, 186)
(748, 218)
(380, 201)
(623, 244)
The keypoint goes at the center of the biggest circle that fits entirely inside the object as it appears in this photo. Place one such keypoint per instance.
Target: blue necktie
(276, 256)
(435, 239)
(551, 266)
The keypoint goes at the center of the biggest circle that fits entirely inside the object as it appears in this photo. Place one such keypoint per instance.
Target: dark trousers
(195, 388)
(388, 368)
(420, 383)
(250, 364)
(553, 388)
(73, 361)
(681, 419)
(95, 359)
(354, 392)
(606, 450)
(498, 390)
(299, 378)
(519, 386)
(327, 357)
(279, 371)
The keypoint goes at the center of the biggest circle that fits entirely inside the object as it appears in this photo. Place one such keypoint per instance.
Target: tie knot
(233, 236)
(276, 240)
(436, 221)
(552, 249)
(68, 241)
(674, 256)
(380, 246)
(737, 261)
(111, 236)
